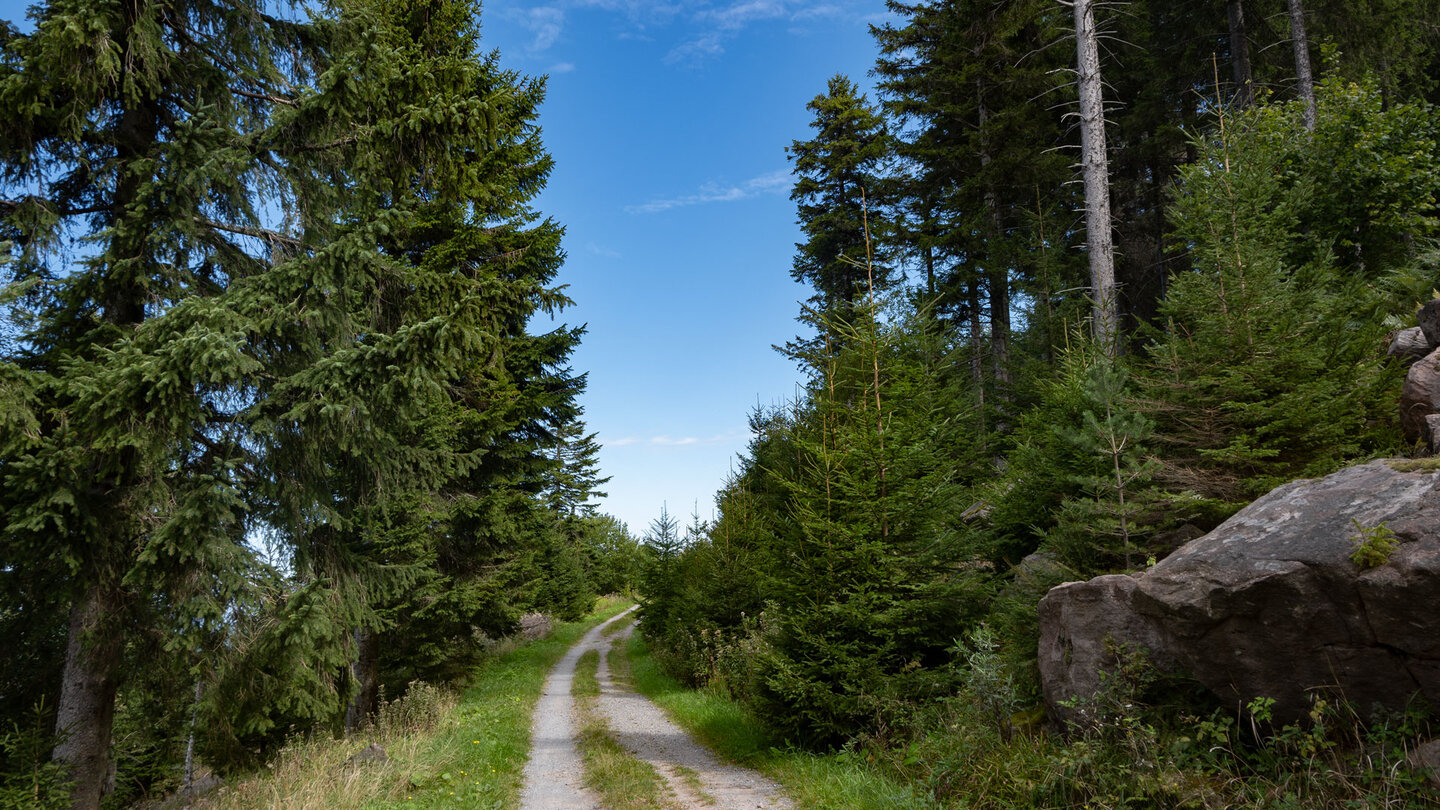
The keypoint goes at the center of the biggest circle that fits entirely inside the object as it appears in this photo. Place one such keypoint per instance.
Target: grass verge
(813, 781)
(623, 781)
(471, 753)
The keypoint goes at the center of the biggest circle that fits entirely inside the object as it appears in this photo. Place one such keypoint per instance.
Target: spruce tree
(218, 340)
(837, 178)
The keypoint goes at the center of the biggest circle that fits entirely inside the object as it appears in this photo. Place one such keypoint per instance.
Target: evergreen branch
(8, 207)
(259, 233)
(264, 97)
(320, 147)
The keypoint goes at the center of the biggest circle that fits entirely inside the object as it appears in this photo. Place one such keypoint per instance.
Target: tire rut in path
(555, 774)
(643, 729)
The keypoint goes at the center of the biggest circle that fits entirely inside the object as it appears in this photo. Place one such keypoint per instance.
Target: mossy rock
(1413, 465)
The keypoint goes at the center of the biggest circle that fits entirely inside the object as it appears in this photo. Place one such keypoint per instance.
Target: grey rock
(534, 626)
(1426, 759)
(1080, 624)
(373, 753)
(1179, 536)
(1041, 569)
(1269, 604)
(1409, 345)
(1429, 319)
(1420, 398)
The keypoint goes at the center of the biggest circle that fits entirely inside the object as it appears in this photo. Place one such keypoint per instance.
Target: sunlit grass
(473, 756)
(818, 781)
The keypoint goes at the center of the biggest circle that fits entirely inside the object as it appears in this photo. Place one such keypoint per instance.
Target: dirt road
(554, 776)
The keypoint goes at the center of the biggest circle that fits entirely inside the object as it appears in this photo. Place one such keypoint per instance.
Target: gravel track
(555, 775)
(641, 726)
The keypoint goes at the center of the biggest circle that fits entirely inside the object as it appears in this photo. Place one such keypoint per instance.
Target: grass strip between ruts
(623, 781)
(813, 781)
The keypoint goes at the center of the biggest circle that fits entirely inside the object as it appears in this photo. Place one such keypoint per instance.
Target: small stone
(1426, 759)
(372, 753)
(1409, 345)
(534, 626)
(1420, 398)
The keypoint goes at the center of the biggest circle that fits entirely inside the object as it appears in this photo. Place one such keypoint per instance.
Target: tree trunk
(1303, 77)
(1095, 168)
(86, 711)
(977, 355)
(1240, 54)
(998, 272)
(367, 677)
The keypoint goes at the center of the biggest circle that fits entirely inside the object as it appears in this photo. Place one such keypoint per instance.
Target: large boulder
(1420, 400)
(1270, 604)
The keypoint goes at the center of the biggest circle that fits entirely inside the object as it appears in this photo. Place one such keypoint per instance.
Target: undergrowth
(444, 748)
(982, 748)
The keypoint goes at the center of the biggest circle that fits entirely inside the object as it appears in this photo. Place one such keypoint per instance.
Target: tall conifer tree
(836, 182)
(240, 184)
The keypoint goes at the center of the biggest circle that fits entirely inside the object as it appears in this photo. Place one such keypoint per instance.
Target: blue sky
(668, 121)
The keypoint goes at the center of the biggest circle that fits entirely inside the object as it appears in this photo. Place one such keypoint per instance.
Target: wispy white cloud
(546, 23)
(602, 251)
(717, 192)
(561, 67)
(694, 52)
(672, 441)
(739, 15)
(700, 28)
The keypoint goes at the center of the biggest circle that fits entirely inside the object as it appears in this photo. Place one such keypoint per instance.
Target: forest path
(695, 775)
(555, 775)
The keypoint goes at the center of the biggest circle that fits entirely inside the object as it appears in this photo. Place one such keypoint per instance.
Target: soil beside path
(555, 775)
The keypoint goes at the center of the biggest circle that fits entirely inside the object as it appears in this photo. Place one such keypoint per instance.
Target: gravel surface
(555, 775)
(643, 728)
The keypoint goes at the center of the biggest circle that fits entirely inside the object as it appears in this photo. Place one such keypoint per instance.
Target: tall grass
(460, 749)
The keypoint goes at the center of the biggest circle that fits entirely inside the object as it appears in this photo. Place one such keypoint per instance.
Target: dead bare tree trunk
(1095, 167)
(1303, 77)
(1240, 54)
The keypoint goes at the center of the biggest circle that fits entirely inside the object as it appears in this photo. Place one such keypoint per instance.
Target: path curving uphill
(554, 777)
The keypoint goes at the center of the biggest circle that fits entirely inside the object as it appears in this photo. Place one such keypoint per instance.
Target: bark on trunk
(998, 272)
(1240, 54)
(367, 678)
(1303, 77)
(977, 355)
(86, 711)
(1095, 168)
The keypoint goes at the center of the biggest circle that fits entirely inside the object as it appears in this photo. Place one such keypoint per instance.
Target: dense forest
(278, 440)
(275, 437)
(1074, 304)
